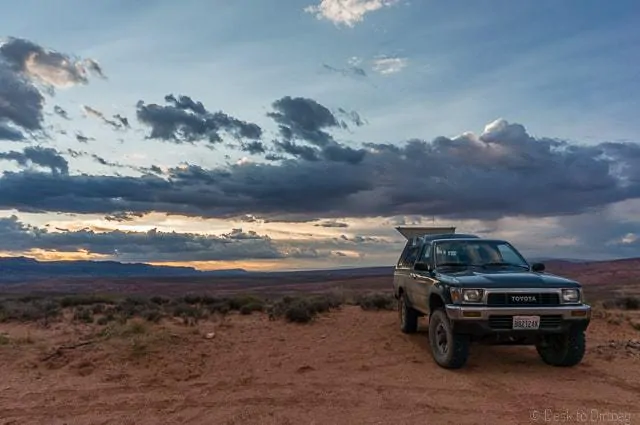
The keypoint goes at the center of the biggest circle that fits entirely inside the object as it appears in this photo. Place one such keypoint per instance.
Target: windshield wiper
(504, 264)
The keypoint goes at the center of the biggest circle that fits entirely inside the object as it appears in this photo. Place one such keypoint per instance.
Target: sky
(298, 134)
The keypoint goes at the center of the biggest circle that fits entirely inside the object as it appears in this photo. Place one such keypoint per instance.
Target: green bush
(377, 302)
(623, 303)
(250, 308)
(83, 314)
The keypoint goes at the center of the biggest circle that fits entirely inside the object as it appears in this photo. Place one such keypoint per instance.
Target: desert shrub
(299, 312)
(251, 307)
(83, 314)
(323, 303)
(152, 315)
(302, 310)
(192, 299)
(98, 308)
(221, 307)
(376, 302)
(623, 303)
(102, 321)
(79, 300)
(134, 306)
(188, 313)
(236, 303)
(160, 300)
(30, 311)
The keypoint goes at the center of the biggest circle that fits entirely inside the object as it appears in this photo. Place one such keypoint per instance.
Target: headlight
(570, 295)
(466, 295)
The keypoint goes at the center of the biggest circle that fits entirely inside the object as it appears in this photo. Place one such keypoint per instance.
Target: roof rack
(413, 232)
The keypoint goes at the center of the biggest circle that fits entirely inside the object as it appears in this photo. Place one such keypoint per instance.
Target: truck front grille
(502, 322)
(523, 299)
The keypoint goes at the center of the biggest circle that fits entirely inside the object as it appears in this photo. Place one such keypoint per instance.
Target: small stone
(210, 335)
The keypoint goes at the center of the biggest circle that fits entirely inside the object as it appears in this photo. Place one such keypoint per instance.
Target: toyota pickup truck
(482, 290)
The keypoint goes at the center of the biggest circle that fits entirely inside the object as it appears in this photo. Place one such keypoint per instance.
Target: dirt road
(350, 367)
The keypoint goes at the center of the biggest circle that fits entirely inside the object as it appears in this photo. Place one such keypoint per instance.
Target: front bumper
(476, 313)
(483, 321)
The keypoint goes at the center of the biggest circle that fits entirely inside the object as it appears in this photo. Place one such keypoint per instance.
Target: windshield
(477, 253)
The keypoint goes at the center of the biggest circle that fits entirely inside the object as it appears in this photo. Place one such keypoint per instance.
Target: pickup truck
(482, 290)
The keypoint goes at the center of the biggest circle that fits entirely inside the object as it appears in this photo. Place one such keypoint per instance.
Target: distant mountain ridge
(24, 269)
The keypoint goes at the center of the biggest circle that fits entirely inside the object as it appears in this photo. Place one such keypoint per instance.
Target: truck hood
(505, 279)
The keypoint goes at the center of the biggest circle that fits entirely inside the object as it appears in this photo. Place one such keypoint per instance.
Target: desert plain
(218, 352)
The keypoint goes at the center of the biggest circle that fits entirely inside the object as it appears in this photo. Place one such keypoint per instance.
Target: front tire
(449, 350)
(565, 350)
(408, 316)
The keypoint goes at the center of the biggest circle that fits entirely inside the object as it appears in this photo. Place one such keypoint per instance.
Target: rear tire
(408, 315)
(449, 350)
(565, 350)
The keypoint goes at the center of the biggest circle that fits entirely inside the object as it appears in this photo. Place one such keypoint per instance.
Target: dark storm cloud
(11, 134)
(185, 120)
(37, 155)
(48, 66)
(20, 101)
(152, 245)
(502, 172)
(305, 120)
(254, 148)
(22, 65)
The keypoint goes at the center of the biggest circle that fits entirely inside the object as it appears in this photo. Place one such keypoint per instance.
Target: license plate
(526, 322)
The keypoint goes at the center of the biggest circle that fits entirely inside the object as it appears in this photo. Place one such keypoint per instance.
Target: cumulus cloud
(305, 120)
(184, 120)
(23, 66)
(37, 155)
(48, 66)
(154, 245)
(347, 12)
(504, 171)
(151, 245)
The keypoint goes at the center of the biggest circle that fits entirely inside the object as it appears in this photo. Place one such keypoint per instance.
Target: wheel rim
(403, 313)
(442, 341)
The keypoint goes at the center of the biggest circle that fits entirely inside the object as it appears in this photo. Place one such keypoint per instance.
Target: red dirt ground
(349, 367)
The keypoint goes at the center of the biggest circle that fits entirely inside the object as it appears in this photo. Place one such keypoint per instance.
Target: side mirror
(537, 267)
(422, 267)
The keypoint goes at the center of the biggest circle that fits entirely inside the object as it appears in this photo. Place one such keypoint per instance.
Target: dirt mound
(347, 367)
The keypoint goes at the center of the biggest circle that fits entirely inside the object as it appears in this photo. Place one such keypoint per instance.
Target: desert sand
(349, 366)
